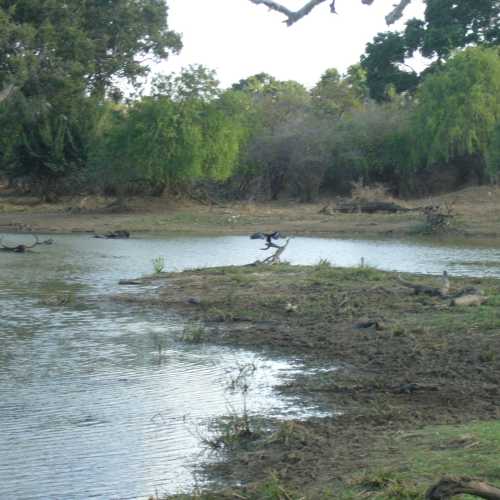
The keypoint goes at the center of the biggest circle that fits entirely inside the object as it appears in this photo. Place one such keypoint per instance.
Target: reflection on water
(89, 408)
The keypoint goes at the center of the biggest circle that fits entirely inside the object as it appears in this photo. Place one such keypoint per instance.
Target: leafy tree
(458, 110)
(448, 25)
(371, 144)
(194, 82)
(274, 103)
(57, 54)
(383, 61)
(333, 95)
(84, 40)
(173, 139)
(255, 84)
(310, 155)
(493, 155)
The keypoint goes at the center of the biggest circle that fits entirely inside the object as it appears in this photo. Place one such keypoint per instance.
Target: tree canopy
(58, 60)
(447, 25)
(458, 108)
(82, 40)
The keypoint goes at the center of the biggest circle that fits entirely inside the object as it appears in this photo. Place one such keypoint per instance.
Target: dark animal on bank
(268, 237)
(20, 248)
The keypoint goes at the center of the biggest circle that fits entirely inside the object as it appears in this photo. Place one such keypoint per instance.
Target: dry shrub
(374, 192)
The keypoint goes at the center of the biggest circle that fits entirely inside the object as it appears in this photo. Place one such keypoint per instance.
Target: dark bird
(268, 237)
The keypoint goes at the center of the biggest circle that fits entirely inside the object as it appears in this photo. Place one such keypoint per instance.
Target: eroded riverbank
(406, 362)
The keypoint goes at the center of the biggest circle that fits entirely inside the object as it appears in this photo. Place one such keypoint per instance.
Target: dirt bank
(477, 216)
(406, 362)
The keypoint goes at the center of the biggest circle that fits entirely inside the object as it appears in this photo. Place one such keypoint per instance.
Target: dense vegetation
(67, 126)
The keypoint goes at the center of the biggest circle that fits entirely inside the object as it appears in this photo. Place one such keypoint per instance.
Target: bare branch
(397, 13)
(294, 16)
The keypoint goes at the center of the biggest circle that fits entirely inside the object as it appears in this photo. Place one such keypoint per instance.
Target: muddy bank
(406, 361)
(477, 215)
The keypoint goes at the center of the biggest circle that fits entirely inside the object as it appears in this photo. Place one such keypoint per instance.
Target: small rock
(194, 301)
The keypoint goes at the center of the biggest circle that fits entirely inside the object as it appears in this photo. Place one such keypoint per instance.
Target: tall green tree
(96, 41)
(187, 131)
(458, 111)
(384, 63)
(62, 58)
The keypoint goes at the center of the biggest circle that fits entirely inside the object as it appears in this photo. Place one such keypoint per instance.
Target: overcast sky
(238, 38)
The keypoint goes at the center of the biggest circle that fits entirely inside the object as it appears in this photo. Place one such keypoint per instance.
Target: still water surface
(88, 406)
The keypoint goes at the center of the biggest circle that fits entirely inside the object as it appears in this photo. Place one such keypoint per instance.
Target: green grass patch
(423, 457)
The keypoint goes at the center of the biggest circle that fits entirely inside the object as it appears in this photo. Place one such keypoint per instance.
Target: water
(89, 405)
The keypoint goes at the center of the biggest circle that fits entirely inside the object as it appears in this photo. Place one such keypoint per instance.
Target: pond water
(102, 400)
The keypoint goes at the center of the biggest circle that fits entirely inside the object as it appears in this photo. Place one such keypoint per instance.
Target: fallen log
(369, 207)
(449, 487)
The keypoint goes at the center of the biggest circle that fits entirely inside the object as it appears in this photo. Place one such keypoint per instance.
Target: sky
(238, 38)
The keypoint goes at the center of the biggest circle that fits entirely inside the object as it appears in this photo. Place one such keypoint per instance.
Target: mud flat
(412, 388)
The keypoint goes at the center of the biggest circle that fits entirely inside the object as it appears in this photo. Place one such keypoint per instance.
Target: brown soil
(477, 215)
(404, 361)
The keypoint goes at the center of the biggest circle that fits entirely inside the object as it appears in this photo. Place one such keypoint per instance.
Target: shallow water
(102, 400)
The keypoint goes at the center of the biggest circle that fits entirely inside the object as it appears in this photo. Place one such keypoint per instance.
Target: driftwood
(449, 487)
(274, 258)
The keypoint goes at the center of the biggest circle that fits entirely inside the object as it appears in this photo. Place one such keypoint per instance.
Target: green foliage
(62, 57)
(154, 141)
(48, 39)
(458, 108)
(277, 108)
(383, 63)
(371, 144)
(174, 138)
(194, 82)
(448, 25)
(493, 154)
(41, 143)
(158, 264)
(334, 95)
